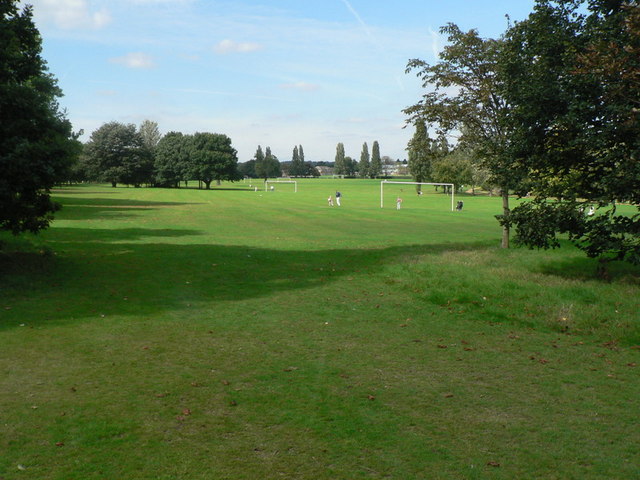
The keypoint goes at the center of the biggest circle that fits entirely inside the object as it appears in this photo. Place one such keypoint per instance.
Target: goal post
(295, 184)
(383, 182)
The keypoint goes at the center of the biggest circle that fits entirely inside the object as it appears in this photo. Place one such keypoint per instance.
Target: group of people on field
(338, 196)
(399, 201)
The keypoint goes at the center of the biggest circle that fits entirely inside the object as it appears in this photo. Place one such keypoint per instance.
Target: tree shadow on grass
(75, 191)
(91, 208)
(585, 269)
(239, 188)
(80, 281)
(88, 236)
(571, 263)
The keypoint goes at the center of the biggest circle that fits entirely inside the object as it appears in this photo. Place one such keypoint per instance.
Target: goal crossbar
(295, 184)
(382, 183)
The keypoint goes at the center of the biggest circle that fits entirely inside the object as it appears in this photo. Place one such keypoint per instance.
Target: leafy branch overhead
(37, 144)
(551, 109)
(463, 102)
(576, 127)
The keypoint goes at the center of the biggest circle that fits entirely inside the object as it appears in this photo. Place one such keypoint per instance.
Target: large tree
(350, 167)
(212, 157)
(150, 135)
(171, 159)
(37, 145)
(248, 169)
(422, 153)
(271, 163)
(463, 99)
(267, 164)
(339, 165)
(116, 154)
(572, 75)
(453, 167)
(297, 164)
(259, 166)
(308, 169)
(365, 163)
(375, 169)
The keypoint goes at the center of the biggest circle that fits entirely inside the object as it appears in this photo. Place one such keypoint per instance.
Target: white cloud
(230, 46)
(303, 86)
(137, 60)
(70, 14)
(335, 65)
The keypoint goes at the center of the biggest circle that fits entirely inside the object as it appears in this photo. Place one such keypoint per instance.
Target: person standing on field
(330, 200)
(338, 196)
(398, 203)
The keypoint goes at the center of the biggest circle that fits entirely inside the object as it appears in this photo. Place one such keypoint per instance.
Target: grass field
(234, 334)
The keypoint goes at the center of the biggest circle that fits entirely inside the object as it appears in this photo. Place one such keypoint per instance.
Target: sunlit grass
(238, 334)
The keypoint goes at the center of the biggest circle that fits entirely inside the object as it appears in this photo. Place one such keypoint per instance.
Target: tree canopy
(364, 166)
(453, 167)
(421, 154)
(37, 144)
(298, 167)
(375, 168)
(212, 157)
(116, 154)
(339, 165)
(550, 109)
(267, 165)
(463, 99)
(571, 75)
(150, 134)
(171, 160)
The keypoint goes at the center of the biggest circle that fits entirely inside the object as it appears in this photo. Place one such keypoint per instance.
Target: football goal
(268, 184)
(387, 182)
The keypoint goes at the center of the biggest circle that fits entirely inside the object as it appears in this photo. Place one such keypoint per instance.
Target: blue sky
(275, 73)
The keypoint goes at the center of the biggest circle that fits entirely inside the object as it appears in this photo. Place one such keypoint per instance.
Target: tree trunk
(207, 184)
(602, 271)
(505, 213)
(113, 184)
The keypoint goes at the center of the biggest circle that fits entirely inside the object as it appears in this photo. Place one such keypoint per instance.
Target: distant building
(324, 171)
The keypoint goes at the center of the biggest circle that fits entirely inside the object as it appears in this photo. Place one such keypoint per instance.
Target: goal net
(397, 188)
(271, 184)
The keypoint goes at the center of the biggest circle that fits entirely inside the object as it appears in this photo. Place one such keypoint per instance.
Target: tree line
(369, 166)
(549, 111)
(123, 154)
(119, 153)
(265, 164)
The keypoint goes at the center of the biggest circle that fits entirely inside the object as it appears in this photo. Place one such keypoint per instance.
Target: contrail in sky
(361, 22)
(369, 34)
(435, 44)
